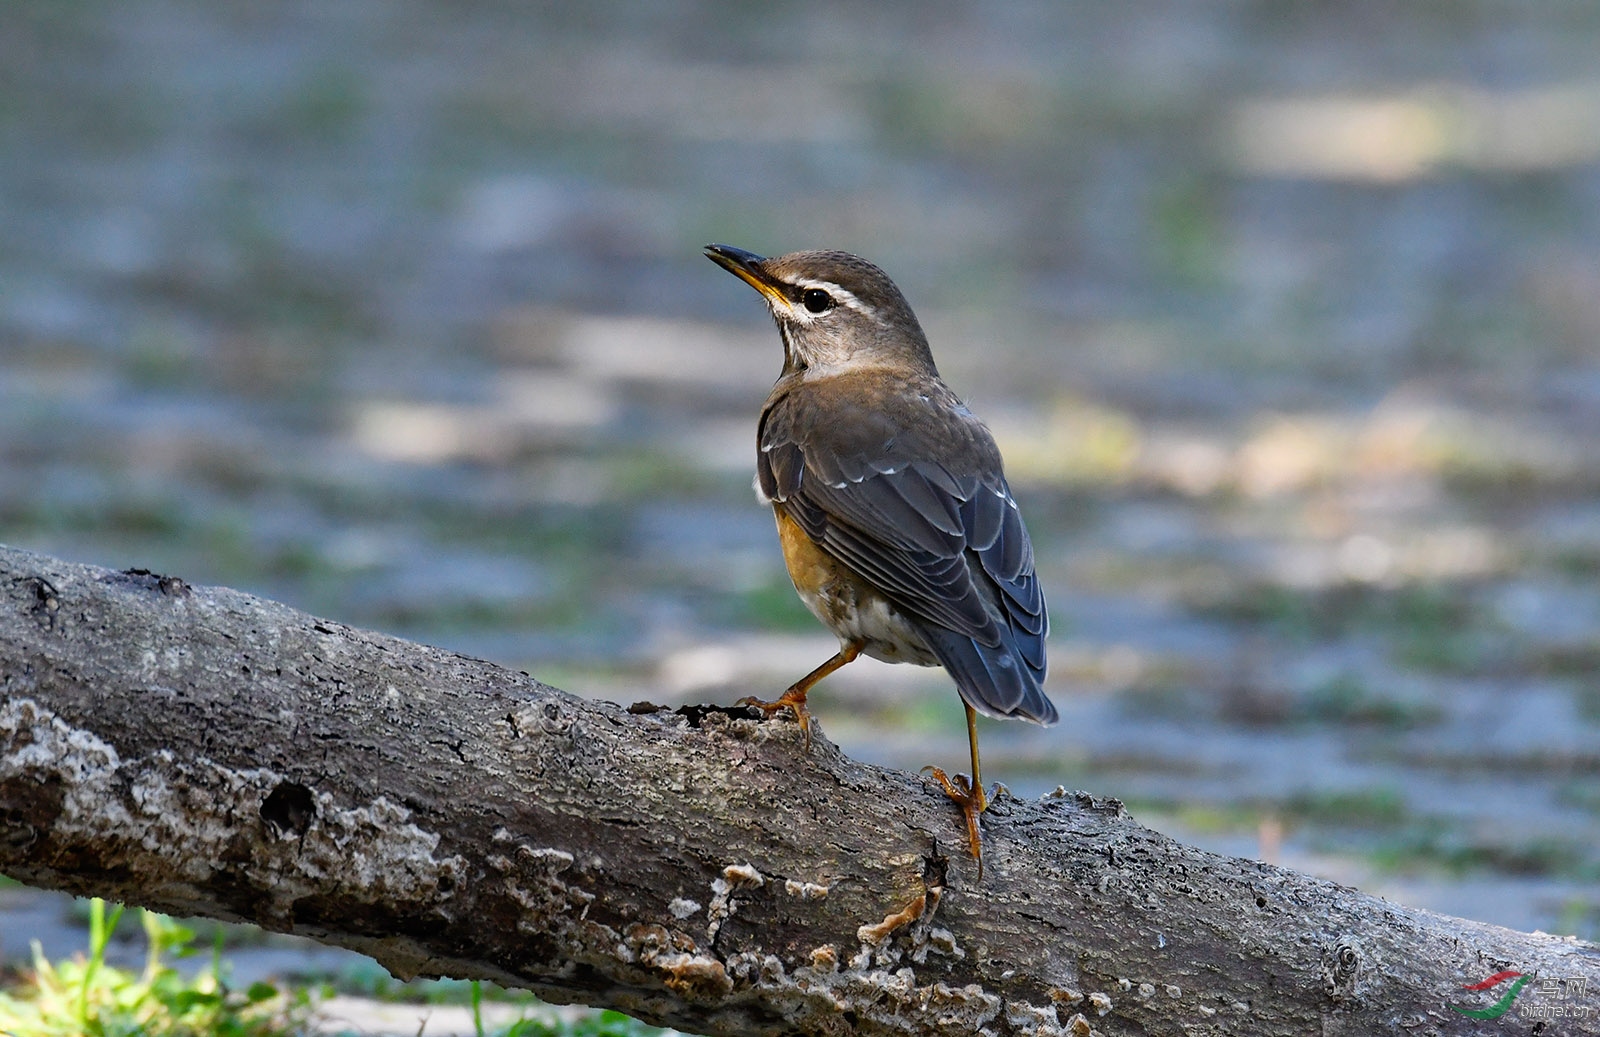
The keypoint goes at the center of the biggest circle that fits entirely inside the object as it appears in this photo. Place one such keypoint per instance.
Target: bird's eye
(816, 300)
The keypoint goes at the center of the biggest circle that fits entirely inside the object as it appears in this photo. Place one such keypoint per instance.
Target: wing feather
(924, 515)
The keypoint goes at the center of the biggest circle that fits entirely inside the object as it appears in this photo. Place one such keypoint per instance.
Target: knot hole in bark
(289, 808)
(44, 601)
(1343, 969)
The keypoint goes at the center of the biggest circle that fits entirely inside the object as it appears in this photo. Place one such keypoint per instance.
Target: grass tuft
(86, 996)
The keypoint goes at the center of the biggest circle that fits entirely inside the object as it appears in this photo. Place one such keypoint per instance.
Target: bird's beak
(747, 267)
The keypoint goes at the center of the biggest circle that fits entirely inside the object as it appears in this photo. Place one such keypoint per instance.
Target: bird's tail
(996, 681)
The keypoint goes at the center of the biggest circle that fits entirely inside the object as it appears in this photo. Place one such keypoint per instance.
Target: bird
(897, 526)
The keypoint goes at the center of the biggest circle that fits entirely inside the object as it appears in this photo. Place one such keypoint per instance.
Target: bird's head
(835, 311)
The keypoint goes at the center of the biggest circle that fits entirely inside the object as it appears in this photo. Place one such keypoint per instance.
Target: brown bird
(897, 525)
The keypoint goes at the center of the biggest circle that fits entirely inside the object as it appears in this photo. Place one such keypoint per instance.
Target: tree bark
(200, 751)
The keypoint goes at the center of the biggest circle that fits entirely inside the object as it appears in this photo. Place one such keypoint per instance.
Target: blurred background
(1286, 316)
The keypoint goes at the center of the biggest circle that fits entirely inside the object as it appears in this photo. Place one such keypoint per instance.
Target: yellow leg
(968, 794)
(794, 698)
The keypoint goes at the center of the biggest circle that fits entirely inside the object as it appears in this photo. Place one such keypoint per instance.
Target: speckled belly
(847, 604)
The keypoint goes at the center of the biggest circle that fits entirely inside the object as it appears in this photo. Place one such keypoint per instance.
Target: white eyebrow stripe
(840, 295)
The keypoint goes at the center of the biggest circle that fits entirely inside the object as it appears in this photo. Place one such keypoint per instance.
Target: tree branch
(203, 752)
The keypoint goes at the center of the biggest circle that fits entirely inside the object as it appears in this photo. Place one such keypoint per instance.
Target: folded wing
(923, 513)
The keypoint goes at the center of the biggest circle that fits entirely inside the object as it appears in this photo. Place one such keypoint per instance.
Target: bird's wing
(922, 512)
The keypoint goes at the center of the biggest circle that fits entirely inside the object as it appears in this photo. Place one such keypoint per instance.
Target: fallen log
(200, 751)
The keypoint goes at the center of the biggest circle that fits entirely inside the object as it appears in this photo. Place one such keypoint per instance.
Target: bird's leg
(968, 793)
(794, 698)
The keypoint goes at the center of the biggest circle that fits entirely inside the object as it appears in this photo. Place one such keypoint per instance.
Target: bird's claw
(972, 800)
(789, 700)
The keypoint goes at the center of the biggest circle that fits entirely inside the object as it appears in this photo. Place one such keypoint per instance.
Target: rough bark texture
(204, 752)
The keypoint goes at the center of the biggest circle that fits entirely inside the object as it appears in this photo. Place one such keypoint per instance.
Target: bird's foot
(972, 800)
(793, 699)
